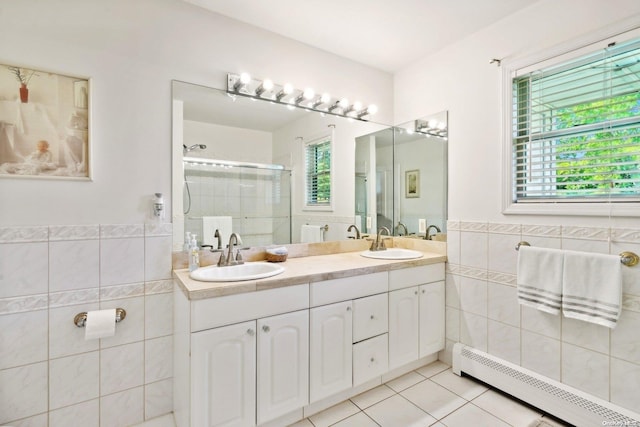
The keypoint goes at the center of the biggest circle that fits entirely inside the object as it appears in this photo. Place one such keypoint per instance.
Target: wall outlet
(368, 223)
(422, 225)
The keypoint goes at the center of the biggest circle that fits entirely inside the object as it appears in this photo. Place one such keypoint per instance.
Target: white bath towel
(311, 233)
(540, 278)
(210, 224)
(592, 287)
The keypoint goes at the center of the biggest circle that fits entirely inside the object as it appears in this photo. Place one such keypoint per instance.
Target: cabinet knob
(266, 328)
(372, 317)
(251, 332)
(373, 360)
(424, 291)
(349, 308)
(415, 292)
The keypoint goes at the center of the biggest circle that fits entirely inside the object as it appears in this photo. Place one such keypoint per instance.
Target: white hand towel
(592, 287)
(310, 234)
(539, 278)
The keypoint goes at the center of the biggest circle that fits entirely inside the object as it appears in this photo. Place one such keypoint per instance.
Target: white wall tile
(35, 421)
(585, 370)
(65, 338)
(122, 409)
(24, 269)
(452, 290)
(474, 249)
(23, 392)
(585, 334)
(502, 254)
(540, 322)
(129, 330)
(624, 338)
(541, 354)
(24, 234)
(157, 257)
(23, 338)
(543, 242)
(453, 246)
(74, 264)
(158, 398)
(121, 261)
(452, 324)
(158, 359)
(625, 378)
(73, 379)
(121, 367)
(85, 414)
(473, 296)
(503, 304)
(595, 246)
(158, 315)
(473, 330)
(504, 341)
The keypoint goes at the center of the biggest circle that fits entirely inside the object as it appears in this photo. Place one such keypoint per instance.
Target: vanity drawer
(408, 277)
(370, 316)
(370, 359)
(336, 290)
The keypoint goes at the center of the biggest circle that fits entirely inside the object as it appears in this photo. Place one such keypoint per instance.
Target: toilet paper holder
(81, 318)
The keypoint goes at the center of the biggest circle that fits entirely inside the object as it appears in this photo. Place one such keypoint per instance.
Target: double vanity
(274, 350)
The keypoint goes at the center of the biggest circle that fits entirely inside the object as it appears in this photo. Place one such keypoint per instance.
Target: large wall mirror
(238, 165)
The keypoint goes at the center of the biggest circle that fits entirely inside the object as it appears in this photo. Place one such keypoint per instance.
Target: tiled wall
(49, 374)
(482, 310)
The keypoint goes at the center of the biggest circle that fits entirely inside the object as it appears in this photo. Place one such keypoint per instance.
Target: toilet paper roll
(100, 324)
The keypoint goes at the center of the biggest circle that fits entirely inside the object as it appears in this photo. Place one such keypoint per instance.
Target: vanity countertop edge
(300, 271)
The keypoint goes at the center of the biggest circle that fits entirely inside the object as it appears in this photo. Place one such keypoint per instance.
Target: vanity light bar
(431, 128)
(244, 85)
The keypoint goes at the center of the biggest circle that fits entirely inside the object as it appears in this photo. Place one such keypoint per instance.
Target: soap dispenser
(194, 256)
(187, 242)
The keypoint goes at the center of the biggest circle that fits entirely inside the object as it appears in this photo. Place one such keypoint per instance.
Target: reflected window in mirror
(318, 154)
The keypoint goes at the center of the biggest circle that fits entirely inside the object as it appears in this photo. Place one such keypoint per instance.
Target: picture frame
(44, 124)
(412, 183)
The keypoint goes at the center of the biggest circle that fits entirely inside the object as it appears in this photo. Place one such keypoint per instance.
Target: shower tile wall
(257, 200)
(482, 310)
(49, 374)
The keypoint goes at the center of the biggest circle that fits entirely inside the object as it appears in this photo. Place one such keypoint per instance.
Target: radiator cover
(560, 400)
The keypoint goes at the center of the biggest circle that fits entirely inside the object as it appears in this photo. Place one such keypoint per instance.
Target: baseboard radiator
(562, 401)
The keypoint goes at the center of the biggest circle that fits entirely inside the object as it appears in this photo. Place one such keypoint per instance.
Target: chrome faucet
(216, 235)
(378, 244)
(428, 236)
(406, 232)
(223, 261)
(351, 228)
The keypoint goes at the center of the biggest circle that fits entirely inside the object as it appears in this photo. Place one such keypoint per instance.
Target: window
(575, 129)
(318, 173)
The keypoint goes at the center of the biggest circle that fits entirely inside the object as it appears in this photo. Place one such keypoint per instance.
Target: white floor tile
(461, 386)
(433, 368)
(358, 420)
(373, 396)
(433, 399)
(302, 423)
(508, 410)
(405, 381)
(398, 411)
(163, 421)
(334, 414)
(462, 417)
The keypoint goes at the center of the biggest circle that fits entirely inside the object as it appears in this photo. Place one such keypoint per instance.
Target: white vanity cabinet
(416, 313)
(330, 349)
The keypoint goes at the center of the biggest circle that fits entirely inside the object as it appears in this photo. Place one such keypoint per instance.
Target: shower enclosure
(257, 197)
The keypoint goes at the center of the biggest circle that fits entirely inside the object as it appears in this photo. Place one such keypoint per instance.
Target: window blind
(576, 129)
(318, 172)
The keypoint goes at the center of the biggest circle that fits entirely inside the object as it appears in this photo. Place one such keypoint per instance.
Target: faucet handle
(239, 259)
(221, 260)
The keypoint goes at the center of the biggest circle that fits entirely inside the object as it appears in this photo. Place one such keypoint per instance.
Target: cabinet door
(370, 316)
(330, 350)
(370, 359)
(403, 326)
(431, 318)
(283, 364)
(223, 370)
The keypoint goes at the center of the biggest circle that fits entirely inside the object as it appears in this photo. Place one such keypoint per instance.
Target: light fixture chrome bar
(230, 163)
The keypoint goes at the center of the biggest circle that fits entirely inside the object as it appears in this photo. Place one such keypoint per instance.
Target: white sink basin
(392, 253)
(235, 273)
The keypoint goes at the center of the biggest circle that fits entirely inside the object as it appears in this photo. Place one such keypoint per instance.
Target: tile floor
(429, 396)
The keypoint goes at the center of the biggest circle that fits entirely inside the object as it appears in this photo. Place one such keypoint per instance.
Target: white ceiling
(384, 34)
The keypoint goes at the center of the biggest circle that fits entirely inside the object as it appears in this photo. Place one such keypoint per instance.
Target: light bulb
(357, 105)
(432, 123)
(344, 103)
(267, 84)
(308, 93)
(245, 78)
(287, 88)
(325, 98)
(372, 109)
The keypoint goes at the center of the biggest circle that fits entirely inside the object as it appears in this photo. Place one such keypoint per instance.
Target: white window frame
(511, 68)
(315, 141)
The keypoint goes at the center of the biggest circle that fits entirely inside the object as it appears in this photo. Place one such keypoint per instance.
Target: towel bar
(81, 318)
(629, 259)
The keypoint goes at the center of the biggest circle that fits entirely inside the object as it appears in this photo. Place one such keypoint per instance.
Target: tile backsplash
(51, 375)
(482, 310)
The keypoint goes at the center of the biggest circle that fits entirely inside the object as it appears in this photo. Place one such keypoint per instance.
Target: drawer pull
(372, 317)
(349, 308)
(266, 328)
(251, 332)
(373, 360)
(424, 291)
(415, 292)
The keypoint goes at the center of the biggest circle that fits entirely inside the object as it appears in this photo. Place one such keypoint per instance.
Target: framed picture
(44, 124)
(412, 183)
